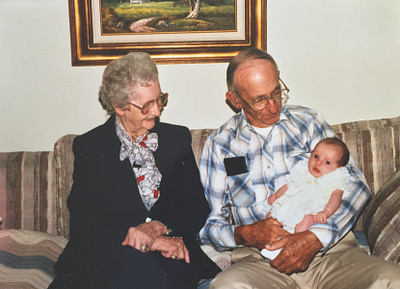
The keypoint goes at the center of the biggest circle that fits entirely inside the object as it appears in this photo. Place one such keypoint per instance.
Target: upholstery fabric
(382, 221)
(34, 187)
(65, 166)
(222, 259)
(44, 178)
(33, 253)
(28, 194)
(199, 137)
(375, 146)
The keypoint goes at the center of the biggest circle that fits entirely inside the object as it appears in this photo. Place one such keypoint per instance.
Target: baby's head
(327, 156)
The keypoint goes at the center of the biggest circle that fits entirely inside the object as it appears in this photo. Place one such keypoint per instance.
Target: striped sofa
(34, 187)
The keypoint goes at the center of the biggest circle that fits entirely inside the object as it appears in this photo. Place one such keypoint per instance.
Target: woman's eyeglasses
(161, 103)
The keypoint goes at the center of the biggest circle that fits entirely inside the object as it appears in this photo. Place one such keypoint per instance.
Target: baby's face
(324, 159)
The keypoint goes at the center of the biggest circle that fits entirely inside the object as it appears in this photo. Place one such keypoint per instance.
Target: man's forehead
(257, 67)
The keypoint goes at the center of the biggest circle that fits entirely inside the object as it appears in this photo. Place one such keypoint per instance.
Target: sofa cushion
(382, 221)
(222, 259)
(27, 258)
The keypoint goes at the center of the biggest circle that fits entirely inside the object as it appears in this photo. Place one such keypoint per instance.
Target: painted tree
(194, 8)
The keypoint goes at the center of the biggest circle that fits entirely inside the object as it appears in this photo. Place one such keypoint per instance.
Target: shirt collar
(245, 129)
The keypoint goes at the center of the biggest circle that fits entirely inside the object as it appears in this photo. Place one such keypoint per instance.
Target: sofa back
(375, 146)
(34, 186)
(28, 191)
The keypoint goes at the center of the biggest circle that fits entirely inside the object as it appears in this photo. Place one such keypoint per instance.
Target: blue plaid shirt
(241, 198)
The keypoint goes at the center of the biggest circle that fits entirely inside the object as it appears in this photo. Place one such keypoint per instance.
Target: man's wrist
(238, 235)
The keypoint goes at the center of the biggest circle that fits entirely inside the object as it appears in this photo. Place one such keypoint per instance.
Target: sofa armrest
(65, 166)
(382, 221)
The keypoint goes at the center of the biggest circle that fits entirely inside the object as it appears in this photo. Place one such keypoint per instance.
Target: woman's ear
(119, 111)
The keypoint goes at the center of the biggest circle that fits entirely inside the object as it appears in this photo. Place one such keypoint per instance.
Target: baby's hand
(272, 199)
(320, 217)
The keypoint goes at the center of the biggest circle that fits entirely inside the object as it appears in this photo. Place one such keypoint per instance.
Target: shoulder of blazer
(171, 133)
(103, 135)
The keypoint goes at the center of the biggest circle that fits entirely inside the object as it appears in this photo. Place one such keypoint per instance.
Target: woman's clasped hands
(151, 236)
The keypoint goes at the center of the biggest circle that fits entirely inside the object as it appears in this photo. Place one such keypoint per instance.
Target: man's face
(255, 79)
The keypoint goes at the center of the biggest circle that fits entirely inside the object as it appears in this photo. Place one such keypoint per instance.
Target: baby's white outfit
(305, 195)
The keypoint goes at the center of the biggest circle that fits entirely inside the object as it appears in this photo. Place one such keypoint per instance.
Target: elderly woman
(137, 202)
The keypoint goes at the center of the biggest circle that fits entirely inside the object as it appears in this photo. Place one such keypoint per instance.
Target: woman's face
(131, 117)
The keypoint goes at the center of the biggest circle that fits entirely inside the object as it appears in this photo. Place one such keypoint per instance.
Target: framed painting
(174, 31)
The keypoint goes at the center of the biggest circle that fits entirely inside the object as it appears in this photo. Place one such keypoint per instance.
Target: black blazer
(105, 202)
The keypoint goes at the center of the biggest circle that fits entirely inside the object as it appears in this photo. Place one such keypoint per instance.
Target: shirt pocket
(240, 190)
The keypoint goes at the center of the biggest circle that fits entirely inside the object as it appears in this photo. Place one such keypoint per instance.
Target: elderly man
(241, 165)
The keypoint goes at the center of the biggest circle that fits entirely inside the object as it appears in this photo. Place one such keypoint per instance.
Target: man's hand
(297, 252)
(259, 233)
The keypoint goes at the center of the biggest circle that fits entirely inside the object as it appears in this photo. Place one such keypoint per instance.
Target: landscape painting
(158, 16)
(174, 31)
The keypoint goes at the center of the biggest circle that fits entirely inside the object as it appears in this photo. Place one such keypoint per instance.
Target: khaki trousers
(344, 266)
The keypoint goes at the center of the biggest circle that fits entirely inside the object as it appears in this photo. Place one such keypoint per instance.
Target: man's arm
(217, 229)
(356, 193)
(299, 249)
(355, 196)
(260, 233)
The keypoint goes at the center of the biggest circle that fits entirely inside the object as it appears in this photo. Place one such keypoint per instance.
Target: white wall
(341, 57)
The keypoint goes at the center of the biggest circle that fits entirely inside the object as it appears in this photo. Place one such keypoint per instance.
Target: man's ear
(233, 100)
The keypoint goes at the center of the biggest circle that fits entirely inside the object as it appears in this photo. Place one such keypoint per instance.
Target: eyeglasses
(263, 101)
(161, 103)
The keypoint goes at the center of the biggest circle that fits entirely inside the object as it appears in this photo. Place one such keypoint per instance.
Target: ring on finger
(144, 247)
(175, 257)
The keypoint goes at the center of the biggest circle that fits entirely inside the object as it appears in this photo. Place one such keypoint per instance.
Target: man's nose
(273, 106)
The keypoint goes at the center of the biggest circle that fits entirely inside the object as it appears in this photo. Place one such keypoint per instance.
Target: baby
(314, 191)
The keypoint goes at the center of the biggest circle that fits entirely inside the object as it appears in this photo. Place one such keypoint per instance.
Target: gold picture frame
(90, 47)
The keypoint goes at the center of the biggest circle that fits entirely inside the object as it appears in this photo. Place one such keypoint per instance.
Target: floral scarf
(140, 154)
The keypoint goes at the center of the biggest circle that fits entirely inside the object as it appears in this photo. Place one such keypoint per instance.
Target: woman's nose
(155, 110)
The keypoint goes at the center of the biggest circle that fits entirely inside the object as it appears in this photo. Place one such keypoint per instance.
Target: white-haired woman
(137, 202)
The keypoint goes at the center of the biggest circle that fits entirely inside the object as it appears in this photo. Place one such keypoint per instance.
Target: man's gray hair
(242, 57)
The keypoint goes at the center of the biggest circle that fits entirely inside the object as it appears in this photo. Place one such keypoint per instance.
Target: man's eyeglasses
(278, 95)
(161, 103)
